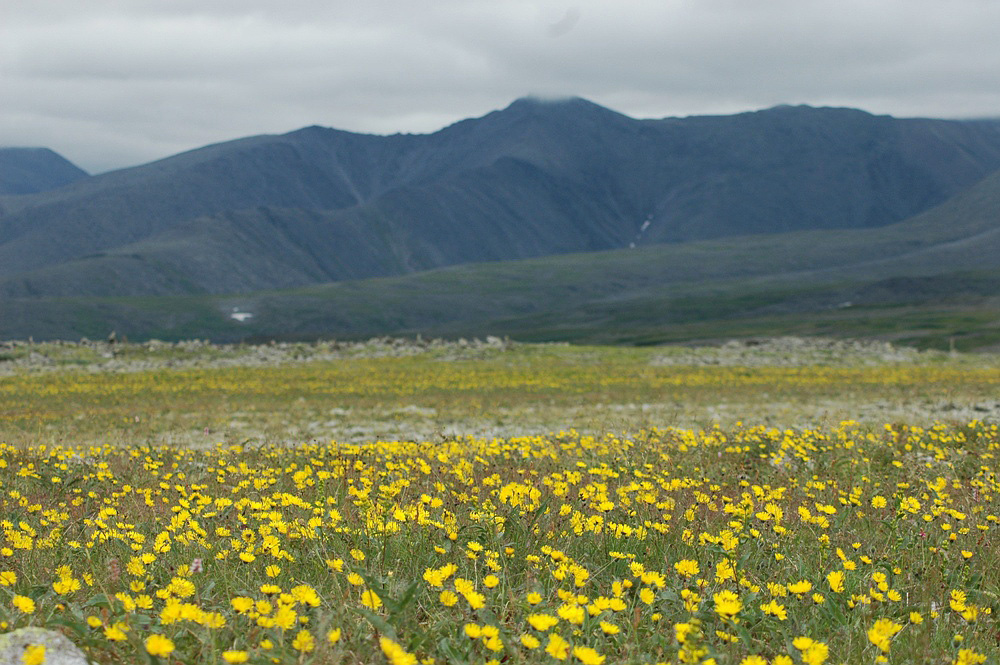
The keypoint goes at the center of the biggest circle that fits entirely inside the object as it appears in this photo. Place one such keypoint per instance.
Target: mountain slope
(32, 170)
(926, 279)
(535, 179)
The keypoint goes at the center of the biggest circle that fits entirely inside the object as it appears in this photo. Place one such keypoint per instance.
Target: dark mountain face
(534, 179)
(32, 170)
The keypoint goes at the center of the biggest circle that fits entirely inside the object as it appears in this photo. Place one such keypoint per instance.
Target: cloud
(111, 83)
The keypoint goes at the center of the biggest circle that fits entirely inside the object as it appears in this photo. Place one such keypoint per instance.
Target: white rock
(59, 650)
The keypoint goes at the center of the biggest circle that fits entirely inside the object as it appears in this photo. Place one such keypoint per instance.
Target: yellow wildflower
(396, 654)
(159, 646)
(588, 656)
(727, 604)
(34, 654)
(882, 632)
(542, 622)
(557, 647)
(23, 604)
(304, 642)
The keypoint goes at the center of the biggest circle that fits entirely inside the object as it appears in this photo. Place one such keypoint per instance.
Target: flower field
(741, 543)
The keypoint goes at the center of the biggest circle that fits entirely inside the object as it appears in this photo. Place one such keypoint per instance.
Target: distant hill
(931, 280)
(535, 179)
(33, 170)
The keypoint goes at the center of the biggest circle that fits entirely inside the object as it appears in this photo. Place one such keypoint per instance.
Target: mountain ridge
(34, 170)
(536, 178)
(930, 280)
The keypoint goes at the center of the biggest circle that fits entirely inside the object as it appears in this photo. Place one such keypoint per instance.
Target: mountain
(931, 280)
(535, 179)
(32, 170)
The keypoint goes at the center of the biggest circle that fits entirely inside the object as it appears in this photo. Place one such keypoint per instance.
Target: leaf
(77, 627)
(378, 622)
(451, 654)
(741, 631)
(98, 600)
(405, 600)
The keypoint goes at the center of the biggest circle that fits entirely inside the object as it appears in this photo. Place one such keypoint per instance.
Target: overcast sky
(112, 83)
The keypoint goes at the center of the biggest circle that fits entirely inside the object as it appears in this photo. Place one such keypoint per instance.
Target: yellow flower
(235, 657)
(534, 598)
(530, 641)
(588, 656)
(971, 612)
(724, 571)
(272, 570)
(753, 660)
(684, 630)
(242, 604)
(357, 555)
(916, 618)
(370, 599)
(304, 642)
(572, 613)
(647, 596)
(116, 632)
(775, 609)
(158, 645)
(542, 622)
(813, 652)
(802, 586)
(305, 595)
(491, 581)
(836, 580)
(687, 567)
(396, 654)
(609, 628)
(8, 578)
(333, 636)
(473, 630)
(23, 604)
(493, 642)
(557, 647)
(34, 654)
(182, 587)
(882, 632)
(448, 598)
(285, 616)
(475, 599)
(727, 604)
(969, 657)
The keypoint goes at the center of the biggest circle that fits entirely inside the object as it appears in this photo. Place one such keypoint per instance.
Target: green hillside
(535, 179)
(932, 280)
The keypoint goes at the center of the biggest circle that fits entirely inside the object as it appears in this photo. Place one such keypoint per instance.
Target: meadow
(492, 502)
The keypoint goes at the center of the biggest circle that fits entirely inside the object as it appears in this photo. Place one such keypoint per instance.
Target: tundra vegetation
(481, 502)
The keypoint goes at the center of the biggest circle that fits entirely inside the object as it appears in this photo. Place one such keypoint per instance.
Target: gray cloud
(110, 83)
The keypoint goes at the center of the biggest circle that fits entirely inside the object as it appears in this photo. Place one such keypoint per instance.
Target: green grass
(144, 493)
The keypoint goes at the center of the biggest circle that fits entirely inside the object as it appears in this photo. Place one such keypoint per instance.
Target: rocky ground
(410, 421)
(17, 356)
